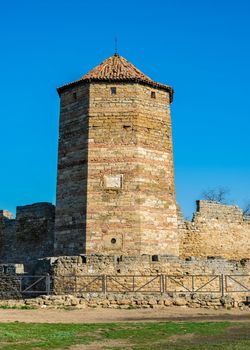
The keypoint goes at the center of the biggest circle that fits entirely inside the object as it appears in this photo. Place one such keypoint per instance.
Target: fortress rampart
(29, 236)
(216, 230)
(116, 209)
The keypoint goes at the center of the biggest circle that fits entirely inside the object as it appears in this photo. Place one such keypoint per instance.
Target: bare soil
(108, 344)
(101, 315)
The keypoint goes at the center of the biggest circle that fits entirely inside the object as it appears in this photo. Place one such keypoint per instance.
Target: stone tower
(115, 184)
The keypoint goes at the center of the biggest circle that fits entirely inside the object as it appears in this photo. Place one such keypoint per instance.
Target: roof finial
(116, 46)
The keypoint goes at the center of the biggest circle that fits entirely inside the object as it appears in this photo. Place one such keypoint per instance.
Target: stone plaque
(113, 182)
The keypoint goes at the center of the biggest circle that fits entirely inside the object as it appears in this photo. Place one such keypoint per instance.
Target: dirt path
(112, 315)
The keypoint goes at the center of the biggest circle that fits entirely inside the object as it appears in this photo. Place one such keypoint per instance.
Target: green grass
(138, 336)
(22, 307)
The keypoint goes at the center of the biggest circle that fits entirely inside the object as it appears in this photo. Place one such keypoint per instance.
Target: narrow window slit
(113, 91)
(155, 258)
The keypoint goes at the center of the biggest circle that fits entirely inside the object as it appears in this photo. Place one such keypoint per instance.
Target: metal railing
(237, 284)
(23, 286)
(19, 286)
(194, 283)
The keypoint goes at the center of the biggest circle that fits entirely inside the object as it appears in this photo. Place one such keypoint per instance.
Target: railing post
(222, 285)
(47, 282)
(20, 284)
(75, 284)
(162, 284)
(104, 284)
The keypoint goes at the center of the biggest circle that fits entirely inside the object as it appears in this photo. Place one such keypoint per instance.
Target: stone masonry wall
(131, 195)
(216, 230)
(123, 301)
(30, 236)
(137, 282)
(7, 232)
(148, 274)
(71, 192)
(144, 265)
(115, 189)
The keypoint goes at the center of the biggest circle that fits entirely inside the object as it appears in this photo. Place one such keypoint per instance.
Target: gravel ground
(101, 315)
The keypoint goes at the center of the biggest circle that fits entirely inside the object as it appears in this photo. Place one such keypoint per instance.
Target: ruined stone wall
(147, 274)
(131, 301)
(216, 230)
(29, 236)
(145, 265)
(138, 281)
(7, 233)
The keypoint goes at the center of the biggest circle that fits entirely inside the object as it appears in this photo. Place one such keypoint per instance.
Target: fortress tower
(115, 184)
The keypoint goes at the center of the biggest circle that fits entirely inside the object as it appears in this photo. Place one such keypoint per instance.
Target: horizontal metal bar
(11, 282)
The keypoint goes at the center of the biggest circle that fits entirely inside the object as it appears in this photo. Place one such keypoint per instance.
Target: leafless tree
(246, 209)
(218, 194)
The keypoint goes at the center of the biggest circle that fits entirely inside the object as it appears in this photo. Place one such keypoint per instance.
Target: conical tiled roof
(117, 69)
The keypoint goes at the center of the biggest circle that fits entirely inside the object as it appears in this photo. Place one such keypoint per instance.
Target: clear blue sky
(201, 48)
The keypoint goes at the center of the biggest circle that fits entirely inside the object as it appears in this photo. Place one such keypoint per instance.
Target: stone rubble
(121, 301)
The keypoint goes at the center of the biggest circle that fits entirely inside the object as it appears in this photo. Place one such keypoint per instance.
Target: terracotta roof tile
(117, 68)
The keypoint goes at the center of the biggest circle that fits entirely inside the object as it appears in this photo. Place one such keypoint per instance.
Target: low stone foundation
(131, 301)
(97, 264)
(147, 274)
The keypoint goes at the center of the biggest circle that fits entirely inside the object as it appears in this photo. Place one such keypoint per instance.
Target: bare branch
(246, 209)
(218, 195)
